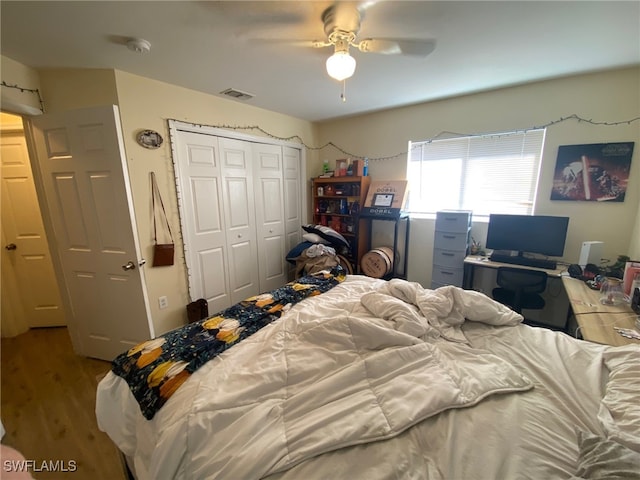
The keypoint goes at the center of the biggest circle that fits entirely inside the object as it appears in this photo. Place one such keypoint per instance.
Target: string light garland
(447, 134)
(28, 90)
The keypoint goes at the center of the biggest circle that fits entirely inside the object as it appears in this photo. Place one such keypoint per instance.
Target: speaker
(635, 301)
(591, 252)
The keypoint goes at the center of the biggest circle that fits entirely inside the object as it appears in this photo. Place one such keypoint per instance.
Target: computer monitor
(541, 234)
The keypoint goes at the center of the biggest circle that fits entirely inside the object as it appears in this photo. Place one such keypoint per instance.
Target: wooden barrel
(377, 262)
(346, 264)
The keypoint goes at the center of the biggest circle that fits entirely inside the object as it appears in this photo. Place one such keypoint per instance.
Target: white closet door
(240, 218)
(249, 197)
(268, 172)
(292, 200)
(203, 217)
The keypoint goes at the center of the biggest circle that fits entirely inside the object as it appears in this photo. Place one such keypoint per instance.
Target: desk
(596, 321)
(472, 262)
(480, 274)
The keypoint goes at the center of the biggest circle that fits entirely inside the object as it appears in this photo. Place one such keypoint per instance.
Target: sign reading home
(385, 198)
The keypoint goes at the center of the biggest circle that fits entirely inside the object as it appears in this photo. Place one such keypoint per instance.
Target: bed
(384, 379)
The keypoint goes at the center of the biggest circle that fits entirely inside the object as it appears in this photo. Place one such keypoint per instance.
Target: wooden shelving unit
(337, 203)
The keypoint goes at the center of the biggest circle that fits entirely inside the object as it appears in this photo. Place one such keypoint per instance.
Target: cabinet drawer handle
(445, 273)
(448, 254)
(449, 236)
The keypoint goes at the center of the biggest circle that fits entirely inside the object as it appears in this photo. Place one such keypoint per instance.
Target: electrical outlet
(163, 301)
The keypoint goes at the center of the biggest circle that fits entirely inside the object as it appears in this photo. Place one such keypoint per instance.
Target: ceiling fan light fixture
(341, 65)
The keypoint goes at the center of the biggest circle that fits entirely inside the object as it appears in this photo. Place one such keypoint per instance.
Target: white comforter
(336, 371)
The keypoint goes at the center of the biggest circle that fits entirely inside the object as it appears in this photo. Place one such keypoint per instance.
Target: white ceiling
(211, 46)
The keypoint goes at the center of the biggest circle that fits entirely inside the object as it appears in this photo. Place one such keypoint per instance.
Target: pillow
(314, 238)
(296, 251)
(605, 459)
(328, 233)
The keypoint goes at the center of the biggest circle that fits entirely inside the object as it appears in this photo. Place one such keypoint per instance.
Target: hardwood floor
(48, 405)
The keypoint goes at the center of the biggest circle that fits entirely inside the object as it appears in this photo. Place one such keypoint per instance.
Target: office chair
(519, 288)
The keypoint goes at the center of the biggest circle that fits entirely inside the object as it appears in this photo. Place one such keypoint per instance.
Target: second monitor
(527, 234)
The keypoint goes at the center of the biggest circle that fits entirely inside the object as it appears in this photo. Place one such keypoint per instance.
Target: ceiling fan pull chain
(343, 95)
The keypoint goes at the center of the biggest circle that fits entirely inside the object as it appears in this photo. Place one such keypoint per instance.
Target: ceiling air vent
(237, 94)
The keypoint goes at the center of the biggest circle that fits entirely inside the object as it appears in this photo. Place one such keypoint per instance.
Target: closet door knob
(11, 246)
(129, 266)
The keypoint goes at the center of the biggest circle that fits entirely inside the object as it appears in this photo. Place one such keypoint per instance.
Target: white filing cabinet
(451, 241)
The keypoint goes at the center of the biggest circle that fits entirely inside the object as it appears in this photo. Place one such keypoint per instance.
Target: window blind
(495, 173)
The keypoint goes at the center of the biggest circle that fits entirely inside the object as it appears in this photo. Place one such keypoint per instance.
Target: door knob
(11, 246)
(129, 266)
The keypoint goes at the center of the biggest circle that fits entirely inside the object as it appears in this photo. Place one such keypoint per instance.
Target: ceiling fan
(342, 22)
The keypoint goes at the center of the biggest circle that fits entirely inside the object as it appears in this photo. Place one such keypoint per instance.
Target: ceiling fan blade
(365, 5)
(397, 46)
(290, 42)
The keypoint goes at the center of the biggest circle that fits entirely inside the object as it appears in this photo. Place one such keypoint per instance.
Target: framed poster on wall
(597, 172)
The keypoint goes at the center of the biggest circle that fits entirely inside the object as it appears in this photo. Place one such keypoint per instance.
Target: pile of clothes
(315, 258)
(322, 248)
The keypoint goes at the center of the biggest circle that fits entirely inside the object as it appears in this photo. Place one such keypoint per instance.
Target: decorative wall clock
(149, 139)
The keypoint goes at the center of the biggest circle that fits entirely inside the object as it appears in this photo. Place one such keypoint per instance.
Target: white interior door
(80, 156)
(200, 185)
(268, 174)
(12, 318)
(240, 217)
(27, 251)
(293, 200)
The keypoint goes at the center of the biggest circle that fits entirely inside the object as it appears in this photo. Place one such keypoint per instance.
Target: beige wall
(634, 247)
(609, 97)
(68, 89)
(14, 100)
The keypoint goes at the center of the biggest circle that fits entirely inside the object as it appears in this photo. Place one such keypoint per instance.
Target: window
(495, 173)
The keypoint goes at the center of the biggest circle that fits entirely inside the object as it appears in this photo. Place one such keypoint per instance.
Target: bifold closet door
(241, 212)
(240, 218)
(293, 200)
(200, 181)
(269, 207)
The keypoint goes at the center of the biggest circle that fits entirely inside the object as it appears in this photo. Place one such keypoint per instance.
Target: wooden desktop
(471, 262)
(595, 320)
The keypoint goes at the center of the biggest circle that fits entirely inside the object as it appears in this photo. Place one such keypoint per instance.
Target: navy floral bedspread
(156, 368)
